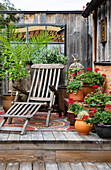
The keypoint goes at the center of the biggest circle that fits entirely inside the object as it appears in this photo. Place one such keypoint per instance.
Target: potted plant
(102, 121)
(73, 110)
(82, 127)
(93, 101)
(15, 54)
(75, 90)
(91, 80)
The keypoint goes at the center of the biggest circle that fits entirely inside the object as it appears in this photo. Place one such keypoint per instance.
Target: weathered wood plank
(38, 166)
(37, 136)
(51, 166)
(26, 165)
(89, 166)
(2, 166)
(12, 166)
(102, 166)
(64, 166)
(4, 136)
(26, 137)
(48, 136)
(76, 166)
(13, 137)
(71, 156)
(59, 136)
(27, 155)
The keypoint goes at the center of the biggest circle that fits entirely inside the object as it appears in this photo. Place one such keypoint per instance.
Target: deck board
(89, 166)
(26, 165)
(64, 166)
(48, 136)
(51, 166)
(59, 136)
(38, 166)
(12, 166)
(77, 166)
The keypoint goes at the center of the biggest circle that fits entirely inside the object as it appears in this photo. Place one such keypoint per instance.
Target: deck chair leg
(24, 126)
(10, 120)
(48, 118)
(3, 122)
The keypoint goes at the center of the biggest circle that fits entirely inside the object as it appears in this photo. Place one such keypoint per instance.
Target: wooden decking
(53, 147)
(55, 166)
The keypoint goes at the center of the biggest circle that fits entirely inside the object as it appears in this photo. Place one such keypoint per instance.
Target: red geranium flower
(96, 69)
(87, 95)
(73, 74)
(71, 101)
(110, 92)
(95, 111)
(84, 71)
(104, 75)
(85, 117)
(95, 86)
(79, 72)
(92, 113)
(107, 105)
(102, 125)
(89, 69)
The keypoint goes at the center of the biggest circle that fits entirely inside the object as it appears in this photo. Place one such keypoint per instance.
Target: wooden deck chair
(44, 75)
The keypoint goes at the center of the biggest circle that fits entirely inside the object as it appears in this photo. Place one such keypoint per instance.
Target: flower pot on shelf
(77, 96)
(103, 131)
(82, 127)
(71, 118)
(87, 89)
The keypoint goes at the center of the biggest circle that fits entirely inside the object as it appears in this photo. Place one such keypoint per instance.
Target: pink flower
(104, 75)
(85, 117)
(71, 101)
(96, 69)
(89, 69)
(95, 86)
(73, 74)
(102, 125)
(92, 113)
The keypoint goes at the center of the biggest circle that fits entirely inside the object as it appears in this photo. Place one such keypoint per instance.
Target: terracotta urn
(82, 127)
(77, 96)
(87, 89)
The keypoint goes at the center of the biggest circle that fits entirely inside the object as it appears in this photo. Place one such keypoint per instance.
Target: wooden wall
(104, 49)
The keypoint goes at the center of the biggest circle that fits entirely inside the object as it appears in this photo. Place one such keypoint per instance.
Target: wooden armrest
(52, 88)
(21, 90)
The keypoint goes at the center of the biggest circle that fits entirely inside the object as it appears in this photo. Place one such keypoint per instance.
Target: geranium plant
(97, 99)
(75, 107)
(100, 117)
(74, 86)
(94, 79)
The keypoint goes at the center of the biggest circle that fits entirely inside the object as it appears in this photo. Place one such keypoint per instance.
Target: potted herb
(82, 127)
(73, 110)
(102, 121)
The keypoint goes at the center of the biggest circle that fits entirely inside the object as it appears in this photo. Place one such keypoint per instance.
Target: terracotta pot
(87, 89)
(82, 127)
(78, 96)
(6, 101)
(71, 118)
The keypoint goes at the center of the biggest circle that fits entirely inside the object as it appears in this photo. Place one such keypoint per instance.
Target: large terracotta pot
(77, 96)
(82, 127)
(71, 118)
(6, 101)
(87, 89)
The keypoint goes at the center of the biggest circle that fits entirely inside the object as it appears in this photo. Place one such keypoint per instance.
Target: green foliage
(97, 99)
(51, 56)
(74, 85)
(101, 117)
(92, 78)
(15, 54)
(76, 108)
